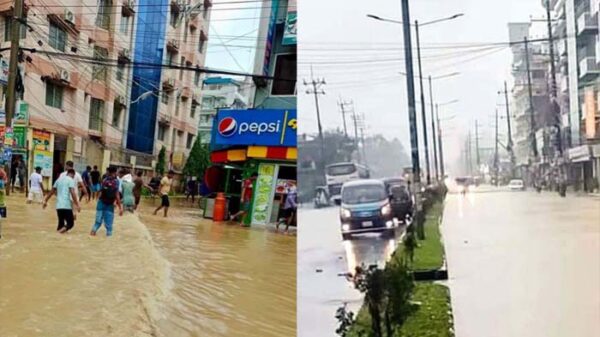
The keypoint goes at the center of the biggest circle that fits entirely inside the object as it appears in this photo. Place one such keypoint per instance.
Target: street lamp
(439, 134)
(423, 114)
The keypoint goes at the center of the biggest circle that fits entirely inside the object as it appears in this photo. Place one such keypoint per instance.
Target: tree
(198, 161)
(162, 161)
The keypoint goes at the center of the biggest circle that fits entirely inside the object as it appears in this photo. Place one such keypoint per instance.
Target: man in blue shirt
(66, 195)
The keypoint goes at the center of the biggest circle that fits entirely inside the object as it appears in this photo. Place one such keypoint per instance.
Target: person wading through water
(66, 195)
(109, 196)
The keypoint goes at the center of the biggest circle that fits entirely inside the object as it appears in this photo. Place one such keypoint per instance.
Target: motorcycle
(321, 197)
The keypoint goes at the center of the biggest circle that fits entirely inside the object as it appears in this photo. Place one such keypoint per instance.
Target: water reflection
(369, 250)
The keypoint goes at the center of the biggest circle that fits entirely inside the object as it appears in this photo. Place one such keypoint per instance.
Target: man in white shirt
(36, 187)
(78, 179)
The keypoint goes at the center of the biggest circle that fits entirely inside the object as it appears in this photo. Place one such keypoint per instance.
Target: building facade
(219, 93)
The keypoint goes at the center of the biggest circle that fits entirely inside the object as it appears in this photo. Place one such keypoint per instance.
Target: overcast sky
(361, 58)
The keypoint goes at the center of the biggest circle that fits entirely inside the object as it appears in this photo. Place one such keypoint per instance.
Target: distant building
(219, 93)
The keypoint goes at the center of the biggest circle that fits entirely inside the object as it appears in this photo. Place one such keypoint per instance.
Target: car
(402, 202)
(516, 185)
(365, 208)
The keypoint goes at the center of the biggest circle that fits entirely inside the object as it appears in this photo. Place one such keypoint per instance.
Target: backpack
(110, 188)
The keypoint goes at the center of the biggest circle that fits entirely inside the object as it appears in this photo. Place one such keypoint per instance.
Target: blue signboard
(268, 127)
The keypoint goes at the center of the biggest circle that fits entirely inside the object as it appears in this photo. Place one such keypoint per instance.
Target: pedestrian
(139, 184)
(127, 187)
(80, 187)
(65, 189)
(3, 181)
(87, 182)
(95, 178)
(191, 189)
(164, 189)
(105, 208)
(247, 187)
(290, 206)
(22, 174)
(36, 187)
(14, 170)
(155, 183)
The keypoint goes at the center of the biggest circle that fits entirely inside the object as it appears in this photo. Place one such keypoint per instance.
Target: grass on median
(430, 252)
(432, 316)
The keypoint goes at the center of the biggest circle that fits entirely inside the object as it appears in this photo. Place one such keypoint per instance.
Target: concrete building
(576, 24)
(520, 102)
(219, 93)
(71, 109)
(168, 117)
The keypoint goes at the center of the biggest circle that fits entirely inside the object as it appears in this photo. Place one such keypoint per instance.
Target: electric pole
(553, 87)
(362, 137)
(410, 85)
(423, 114)
(13, 69)
(477, 159)
(441, 147)
(496, 150)
(435, 153)
(317, 90)
(355, 119)
(343, 105)
(533, 141)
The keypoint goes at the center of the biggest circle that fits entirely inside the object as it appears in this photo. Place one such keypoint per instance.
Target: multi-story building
(219, 93)
(164, 109)
(575, 26)
(72, 108)
(525, 135)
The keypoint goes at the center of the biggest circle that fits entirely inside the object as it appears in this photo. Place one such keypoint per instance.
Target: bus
(339, 173)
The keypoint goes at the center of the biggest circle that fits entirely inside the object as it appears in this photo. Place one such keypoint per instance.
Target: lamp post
(423, 114)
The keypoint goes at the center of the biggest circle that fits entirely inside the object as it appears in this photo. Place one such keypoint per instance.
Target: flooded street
(180, 277)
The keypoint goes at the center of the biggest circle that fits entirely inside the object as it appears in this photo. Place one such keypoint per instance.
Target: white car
(516, 185)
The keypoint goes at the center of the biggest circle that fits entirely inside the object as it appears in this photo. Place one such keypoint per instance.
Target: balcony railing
(587, 24)
(588, 68)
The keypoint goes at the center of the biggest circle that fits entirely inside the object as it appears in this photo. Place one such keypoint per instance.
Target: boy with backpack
(105, 209)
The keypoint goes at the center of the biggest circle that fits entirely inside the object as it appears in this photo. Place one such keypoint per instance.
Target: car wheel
(346, 236)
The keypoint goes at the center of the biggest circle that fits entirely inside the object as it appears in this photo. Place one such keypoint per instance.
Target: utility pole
(342, 105)
(441, 149)
(355, 119)
(317, 90)
(13, 69)
(435, 153)
(553, 87)
(496, 150)
(410, 85)
(362, 137)
(469, 154)
(533, 141)
(477, 159)
(423, 114)
(509, 144)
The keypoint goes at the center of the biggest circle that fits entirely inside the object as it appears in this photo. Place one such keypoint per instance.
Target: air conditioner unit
(174, 43)
(69, 16)
(125, 53)
(121, 100)
(65, 76)
(171, 82)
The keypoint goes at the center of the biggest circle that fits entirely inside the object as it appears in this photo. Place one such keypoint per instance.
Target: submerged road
(523, 264)
(322, 257)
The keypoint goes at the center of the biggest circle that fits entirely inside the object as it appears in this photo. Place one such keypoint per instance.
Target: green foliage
(346, 319)
(198, 161)
(161, 163)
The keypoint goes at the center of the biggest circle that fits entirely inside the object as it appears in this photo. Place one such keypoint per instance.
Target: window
(197, 78)
(193, 110)
(103, 18)
(100, 71)
(173, 18)
(162, 130)
(164, 97)
(54, 95)
(120, 71)
(181, 70)
(185, 31)
(8, 29)
(190, 141)
(285, 70)
(116, 117)
(170, 58)
(201, 43)
(58, 37)
(96, 114)
(177, 103)
(125, 24)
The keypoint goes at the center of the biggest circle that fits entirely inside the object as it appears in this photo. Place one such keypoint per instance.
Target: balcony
(587, 24)
(588, 68)
(562, 47)
(173, 45)
(128, 8)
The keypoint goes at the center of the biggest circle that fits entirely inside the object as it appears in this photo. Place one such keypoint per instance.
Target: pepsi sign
(267, 127)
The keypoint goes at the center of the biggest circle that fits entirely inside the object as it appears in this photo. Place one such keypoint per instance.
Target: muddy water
(178, 277)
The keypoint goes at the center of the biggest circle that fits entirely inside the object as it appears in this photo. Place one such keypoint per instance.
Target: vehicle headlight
(345, 227)
(386, 209)
(345, 213)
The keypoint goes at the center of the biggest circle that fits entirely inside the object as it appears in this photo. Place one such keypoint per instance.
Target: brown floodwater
(177, 277)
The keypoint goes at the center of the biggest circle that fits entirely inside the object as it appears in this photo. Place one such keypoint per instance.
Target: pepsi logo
(227, 127)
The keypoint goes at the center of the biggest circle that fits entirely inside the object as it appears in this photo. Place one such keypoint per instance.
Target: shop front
(580, 173)
(259, 143)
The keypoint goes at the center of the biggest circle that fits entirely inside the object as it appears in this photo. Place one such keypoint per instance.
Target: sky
(361, 60)
(232, 35)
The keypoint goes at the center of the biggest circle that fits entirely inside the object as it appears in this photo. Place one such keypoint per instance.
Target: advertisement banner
(20, 136)
(3, 72)
(590, 113)
(264, 192)
(41, 140)
(270, 37)
(268, 127)
(291, 27)
(22, 114)
(43, 159)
